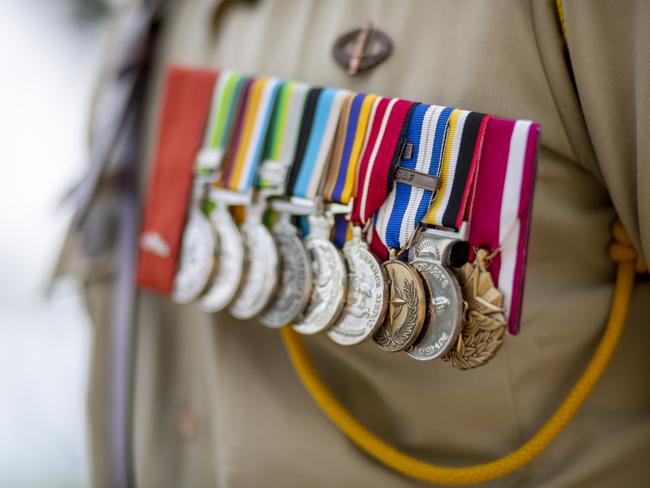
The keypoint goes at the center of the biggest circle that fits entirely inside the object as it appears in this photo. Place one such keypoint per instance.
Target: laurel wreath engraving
(401, 336)
(484, 323)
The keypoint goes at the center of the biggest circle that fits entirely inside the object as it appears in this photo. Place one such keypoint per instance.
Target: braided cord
(622, 252)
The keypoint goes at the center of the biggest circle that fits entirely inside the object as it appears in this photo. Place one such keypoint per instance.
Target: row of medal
(316, 167)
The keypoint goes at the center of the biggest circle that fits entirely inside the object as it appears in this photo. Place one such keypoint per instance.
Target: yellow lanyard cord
(622, 252)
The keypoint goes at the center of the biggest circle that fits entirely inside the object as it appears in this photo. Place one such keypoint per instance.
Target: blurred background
(49, 54)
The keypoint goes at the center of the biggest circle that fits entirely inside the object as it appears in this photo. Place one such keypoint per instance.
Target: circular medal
(365, 305)
(295, 277)
(260, 278)
(226, 280)
(406, 307)
(485, 323)
(197, 261)
(329, 279)
(444, 316)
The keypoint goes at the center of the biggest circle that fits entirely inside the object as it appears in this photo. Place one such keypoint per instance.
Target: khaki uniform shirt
(217, 402)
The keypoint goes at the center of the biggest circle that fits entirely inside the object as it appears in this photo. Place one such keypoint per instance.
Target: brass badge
(406, 307)
(484, 323)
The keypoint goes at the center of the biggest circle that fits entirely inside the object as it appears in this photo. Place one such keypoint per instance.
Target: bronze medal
(406, 307)
(484, 323)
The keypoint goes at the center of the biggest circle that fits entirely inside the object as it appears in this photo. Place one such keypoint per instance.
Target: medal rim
(341, 288)
(345, 339)
(421, 305)
(219, 228)
(196, 215)
(267, 292)
(475, 361)
(291, 234)
(431, 315)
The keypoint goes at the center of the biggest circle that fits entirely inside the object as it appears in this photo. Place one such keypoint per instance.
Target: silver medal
(444, 318)
(197, 261)
(329, 278)
(366, 299)
(295, 283)
(230, 252)
(260, 278)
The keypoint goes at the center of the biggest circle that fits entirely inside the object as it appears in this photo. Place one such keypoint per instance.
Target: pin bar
(415, 178)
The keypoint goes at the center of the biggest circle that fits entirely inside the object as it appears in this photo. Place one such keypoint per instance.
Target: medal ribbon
(406, 205)
(459, 169)
(185, 105)
(225, 99)
(283, 135)
(309, 169)
(500, 219)
(341, 174)
(444, 142)
(246, 148)
(381, 152)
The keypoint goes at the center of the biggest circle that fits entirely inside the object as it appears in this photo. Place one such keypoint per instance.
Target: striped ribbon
(460, 162)
(245, 151)
(444, 142)
(341, 174)
(225, 99)
(340, 178)
(500, 218)
(381, 151)
(282, 136)
(406, 205)
(318, 128)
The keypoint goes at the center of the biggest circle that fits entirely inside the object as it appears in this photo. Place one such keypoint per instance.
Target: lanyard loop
(621, 252)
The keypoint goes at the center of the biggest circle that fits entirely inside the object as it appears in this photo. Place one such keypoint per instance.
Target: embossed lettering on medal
(329, 278)
(366, 304)
(295, 283)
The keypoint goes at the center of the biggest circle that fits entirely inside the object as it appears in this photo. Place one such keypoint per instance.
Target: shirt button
(187, 423)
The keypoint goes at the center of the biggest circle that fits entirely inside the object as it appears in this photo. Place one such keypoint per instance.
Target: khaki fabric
(216, 400)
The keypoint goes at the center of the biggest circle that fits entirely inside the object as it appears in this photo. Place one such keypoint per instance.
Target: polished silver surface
(261, 273)
(444, 318)
(295, 283)
(329, 278)
(230, 252)
(197, 258)
(366, 299)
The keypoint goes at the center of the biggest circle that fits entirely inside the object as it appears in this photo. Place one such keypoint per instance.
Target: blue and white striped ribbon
(406, 205)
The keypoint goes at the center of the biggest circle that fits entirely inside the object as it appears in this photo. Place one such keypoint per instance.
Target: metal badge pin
(361, 49)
